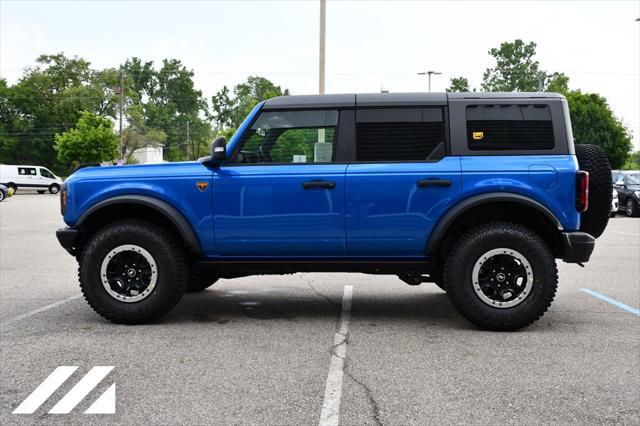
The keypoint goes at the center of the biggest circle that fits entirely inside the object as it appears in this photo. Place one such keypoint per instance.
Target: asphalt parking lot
(258, 350)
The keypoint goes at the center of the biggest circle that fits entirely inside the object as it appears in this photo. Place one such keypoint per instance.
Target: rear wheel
(54, 188)
(501, 276)
(592, 158)
(132, 272)
(41, 191)
(14, 186)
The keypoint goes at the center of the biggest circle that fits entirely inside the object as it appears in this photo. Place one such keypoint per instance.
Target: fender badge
(202, 186)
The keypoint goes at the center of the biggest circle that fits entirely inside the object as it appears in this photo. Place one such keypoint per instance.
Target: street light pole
(323, 15)
(429, 74)
(121, 109)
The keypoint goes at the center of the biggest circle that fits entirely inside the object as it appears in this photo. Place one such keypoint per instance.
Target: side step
(279, 266)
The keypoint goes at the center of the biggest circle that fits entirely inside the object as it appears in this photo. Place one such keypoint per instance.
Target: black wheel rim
(128, 273)
(502, 278)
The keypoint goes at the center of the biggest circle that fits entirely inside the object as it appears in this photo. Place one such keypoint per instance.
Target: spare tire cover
(592, 159)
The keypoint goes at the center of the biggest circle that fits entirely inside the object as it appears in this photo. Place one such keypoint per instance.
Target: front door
(401, 183)
(282, 193)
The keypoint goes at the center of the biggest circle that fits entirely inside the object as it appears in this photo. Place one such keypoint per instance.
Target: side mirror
(219, 149)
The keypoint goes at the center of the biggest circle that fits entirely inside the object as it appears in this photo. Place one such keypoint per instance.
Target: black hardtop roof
(352, 100)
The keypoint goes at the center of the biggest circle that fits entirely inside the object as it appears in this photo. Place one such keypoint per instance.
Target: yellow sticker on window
(478, 135)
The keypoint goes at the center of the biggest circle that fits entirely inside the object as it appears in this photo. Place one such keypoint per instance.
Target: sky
(370, 45)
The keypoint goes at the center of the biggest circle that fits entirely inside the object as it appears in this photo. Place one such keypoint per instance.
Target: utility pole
(540, 76)
(321, 60)
(323, 16)
(121, 109)
(429, 74)
(188, 146)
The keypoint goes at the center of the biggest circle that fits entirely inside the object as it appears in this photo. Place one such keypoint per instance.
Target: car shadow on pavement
(294, 304)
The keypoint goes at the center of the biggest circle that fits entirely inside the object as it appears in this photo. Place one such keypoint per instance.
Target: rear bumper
(67, 238)
(578, 247)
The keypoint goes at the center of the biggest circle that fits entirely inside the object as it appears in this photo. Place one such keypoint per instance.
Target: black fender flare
(162, 207)
(443, 224)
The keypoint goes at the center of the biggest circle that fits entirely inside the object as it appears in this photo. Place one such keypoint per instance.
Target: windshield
(633, 179)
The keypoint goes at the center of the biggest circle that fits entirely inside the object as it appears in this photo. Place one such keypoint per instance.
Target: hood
(140, 171)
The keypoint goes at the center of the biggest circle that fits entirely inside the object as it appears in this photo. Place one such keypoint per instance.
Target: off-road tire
(54, 188)
(592, 158)
(163, 246)
(476, 242)
(200, 280)
(631, 210)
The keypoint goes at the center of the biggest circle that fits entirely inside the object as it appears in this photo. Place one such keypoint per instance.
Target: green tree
(458, 84)
(228, 111)
(169, 103)
(48, 99)
(633, 162)
(91, 140)
(137, 134)
(558, 83)
(593, 122)
(515, 70)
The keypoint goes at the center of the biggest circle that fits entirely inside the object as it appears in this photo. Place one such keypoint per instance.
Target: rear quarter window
(509, 127)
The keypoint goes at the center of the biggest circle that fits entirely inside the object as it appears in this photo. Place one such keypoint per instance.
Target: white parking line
(626, 233)
(27, 225)
(39, 310)
(333, 389)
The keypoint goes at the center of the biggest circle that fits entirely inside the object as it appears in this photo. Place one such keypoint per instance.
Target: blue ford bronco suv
(478, 193)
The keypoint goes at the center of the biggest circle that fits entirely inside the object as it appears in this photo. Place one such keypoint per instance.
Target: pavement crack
(323, 296)
(375, 407)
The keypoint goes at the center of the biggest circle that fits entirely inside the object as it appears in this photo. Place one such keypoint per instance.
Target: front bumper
(578, 247)
(67, 238)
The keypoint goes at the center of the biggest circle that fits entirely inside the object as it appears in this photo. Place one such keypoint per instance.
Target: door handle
(434, 182)
(318, 184)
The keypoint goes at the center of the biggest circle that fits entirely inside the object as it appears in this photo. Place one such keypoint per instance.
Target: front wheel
(631, 209)
(501, 276)
(132, 272)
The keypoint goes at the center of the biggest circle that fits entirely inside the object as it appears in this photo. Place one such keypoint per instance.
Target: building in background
(149, 154)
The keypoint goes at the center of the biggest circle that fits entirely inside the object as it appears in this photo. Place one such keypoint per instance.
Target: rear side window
(509, 127)
(26, 171)
(399, 134)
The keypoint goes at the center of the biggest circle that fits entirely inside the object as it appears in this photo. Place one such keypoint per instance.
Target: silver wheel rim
(111, 284)
(55, 189)
(629, 208)
(1, 195)
(520, 292)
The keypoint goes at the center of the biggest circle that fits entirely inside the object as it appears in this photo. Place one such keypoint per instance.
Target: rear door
(401, 181)
(282, 192)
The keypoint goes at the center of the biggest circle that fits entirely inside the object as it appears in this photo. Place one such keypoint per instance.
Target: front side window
(398, 134)
(46, 173)
(282, 137)
(509, 127)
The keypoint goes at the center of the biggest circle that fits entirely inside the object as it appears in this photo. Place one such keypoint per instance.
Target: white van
(32, 177)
